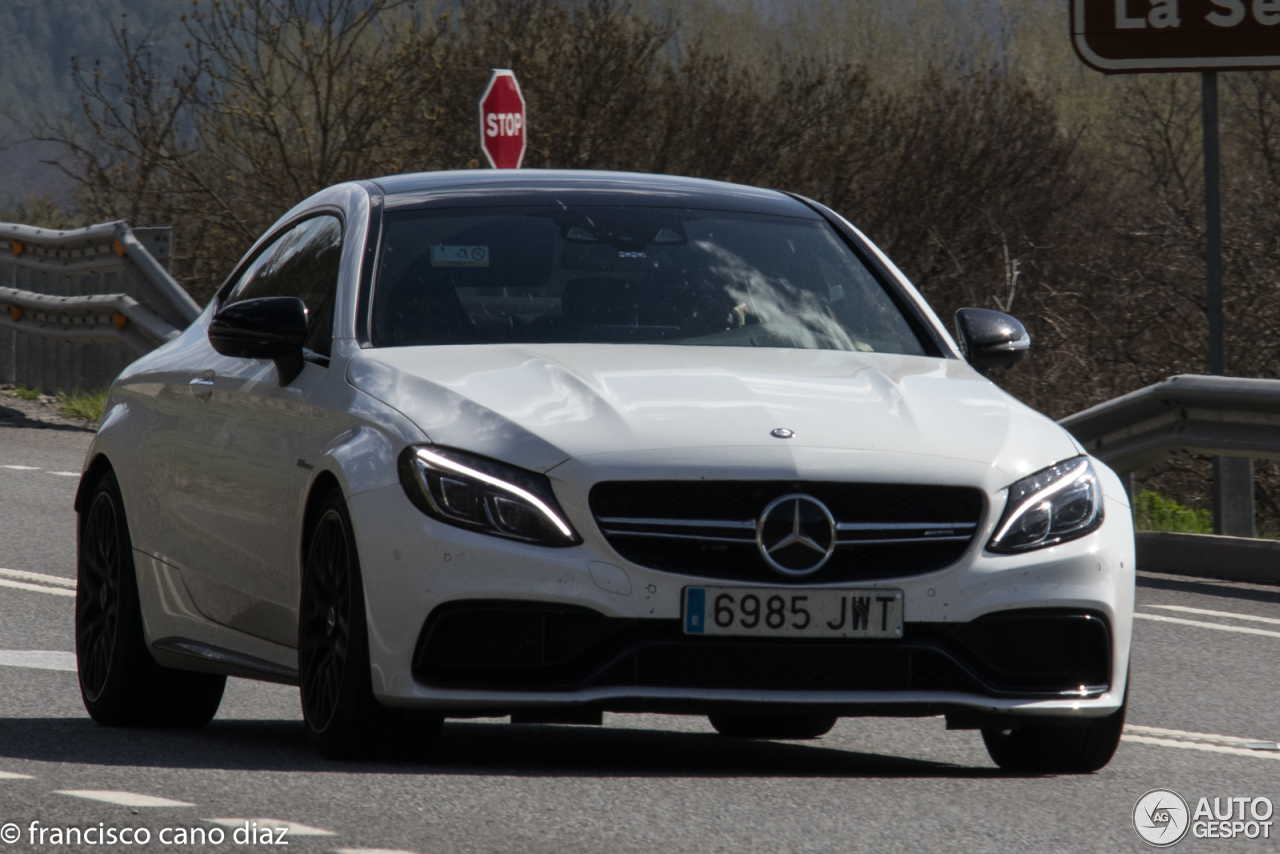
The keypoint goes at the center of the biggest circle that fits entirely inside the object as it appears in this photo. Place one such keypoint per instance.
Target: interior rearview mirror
(991, 339)
(264, 328)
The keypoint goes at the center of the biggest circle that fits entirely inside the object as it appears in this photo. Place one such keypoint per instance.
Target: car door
(242, 454)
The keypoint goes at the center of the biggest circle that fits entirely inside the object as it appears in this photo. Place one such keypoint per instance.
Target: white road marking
(37, 468)
(1194, 736)
(38, 576)
(36, 588)
(1244, 630)
(1206, 613)
(124, 799)
(40, 659)
(293, 827)
(1200, 745)
(9, 775)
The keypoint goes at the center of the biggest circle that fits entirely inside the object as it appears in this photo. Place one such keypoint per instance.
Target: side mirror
(264, 328)
(991, 339)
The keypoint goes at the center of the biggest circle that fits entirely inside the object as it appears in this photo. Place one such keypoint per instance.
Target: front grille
(708, 528)
(755, 666)
(525, 646)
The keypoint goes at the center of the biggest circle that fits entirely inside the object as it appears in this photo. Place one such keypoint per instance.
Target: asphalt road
(644, 783)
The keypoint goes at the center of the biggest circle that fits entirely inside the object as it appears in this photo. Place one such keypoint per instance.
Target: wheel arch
(324, 483)
(89, 481)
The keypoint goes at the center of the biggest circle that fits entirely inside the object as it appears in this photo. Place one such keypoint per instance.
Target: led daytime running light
(438, 462)
(1035, 498)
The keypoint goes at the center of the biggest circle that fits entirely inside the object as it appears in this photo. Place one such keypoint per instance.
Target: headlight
(1054, 505)
(483, 495)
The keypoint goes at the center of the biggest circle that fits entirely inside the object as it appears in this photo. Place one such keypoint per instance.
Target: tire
(784, 727)
(120, 683)
(344, 720)
(1059, 747)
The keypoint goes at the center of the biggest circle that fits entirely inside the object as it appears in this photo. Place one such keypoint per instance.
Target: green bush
(25, 393)
(85, 405)
(1157, 513)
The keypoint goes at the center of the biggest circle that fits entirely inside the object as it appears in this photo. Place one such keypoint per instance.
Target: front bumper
(416, 569)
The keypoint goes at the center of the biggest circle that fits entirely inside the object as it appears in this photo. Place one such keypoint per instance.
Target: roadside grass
(1158, 513)
(83, 405)
(25, 393)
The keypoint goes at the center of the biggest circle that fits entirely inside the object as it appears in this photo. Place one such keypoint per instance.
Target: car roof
(502, 187)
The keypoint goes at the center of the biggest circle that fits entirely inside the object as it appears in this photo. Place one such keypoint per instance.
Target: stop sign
(502, 123)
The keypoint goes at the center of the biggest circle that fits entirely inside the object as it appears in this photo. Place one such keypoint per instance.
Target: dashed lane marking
(39, 659)
(124, 799)
(36, 588)
(1244, 630)
(38, 576)
(20, 579)
(1183, 609)
(1204, 741)
(37, 468)
(1231, 740)
(9, 775)
(293, 827)
(1201, 745)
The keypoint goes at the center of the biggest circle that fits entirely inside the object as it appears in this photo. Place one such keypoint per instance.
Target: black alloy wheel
(325, 621)
(782, 727)
(98, 595)
(344, 719)
(120, 683)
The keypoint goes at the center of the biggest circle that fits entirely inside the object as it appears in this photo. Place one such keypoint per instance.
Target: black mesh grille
(939, 525)
(798, 667)
(1042, 647)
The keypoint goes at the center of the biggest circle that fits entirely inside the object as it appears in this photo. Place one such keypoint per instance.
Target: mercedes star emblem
(796, 535)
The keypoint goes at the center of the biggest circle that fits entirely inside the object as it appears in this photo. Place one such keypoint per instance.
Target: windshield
(633, 275)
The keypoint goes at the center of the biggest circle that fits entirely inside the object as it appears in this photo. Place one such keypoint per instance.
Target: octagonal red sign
(502, 120)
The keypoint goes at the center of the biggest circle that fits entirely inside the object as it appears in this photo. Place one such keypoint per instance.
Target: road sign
(502, 120)
(1131, 36)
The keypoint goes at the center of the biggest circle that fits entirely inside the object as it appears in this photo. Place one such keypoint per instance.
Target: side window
(303, 262)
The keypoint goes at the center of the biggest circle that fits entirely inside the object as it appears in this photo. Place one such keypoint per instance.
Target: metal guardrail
(1185, 414)
(95, 319)
(77, 306)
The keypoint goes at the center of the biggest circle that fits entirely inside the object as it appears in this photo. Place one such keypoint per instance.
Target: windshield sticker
(459, 256)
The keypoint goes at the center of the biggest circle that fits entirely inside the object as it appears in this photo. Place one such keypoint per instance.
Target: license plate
(771, 612)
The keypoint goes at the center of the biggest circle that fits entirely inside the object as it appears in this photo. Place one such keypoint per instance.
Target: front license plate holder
(773, 612)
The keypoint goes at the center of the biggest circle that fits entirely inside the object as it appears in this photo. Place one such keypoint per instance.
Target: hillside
(37, 40)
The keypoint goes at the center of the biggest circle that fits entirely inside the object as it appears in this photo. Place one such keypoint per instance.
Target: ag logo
(796, 535)
(1161, 817)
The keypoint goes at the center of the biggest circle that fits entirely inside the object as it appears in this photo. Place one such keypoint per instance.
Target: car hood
(538, 405)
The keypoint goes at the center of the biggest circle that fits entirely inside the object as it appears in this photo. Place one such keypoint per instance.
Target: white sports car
(549, 444)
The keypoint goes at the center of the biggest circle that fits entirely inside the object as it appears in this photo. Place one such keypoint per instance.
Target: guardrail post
(1130, 481)
(1233, 510)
